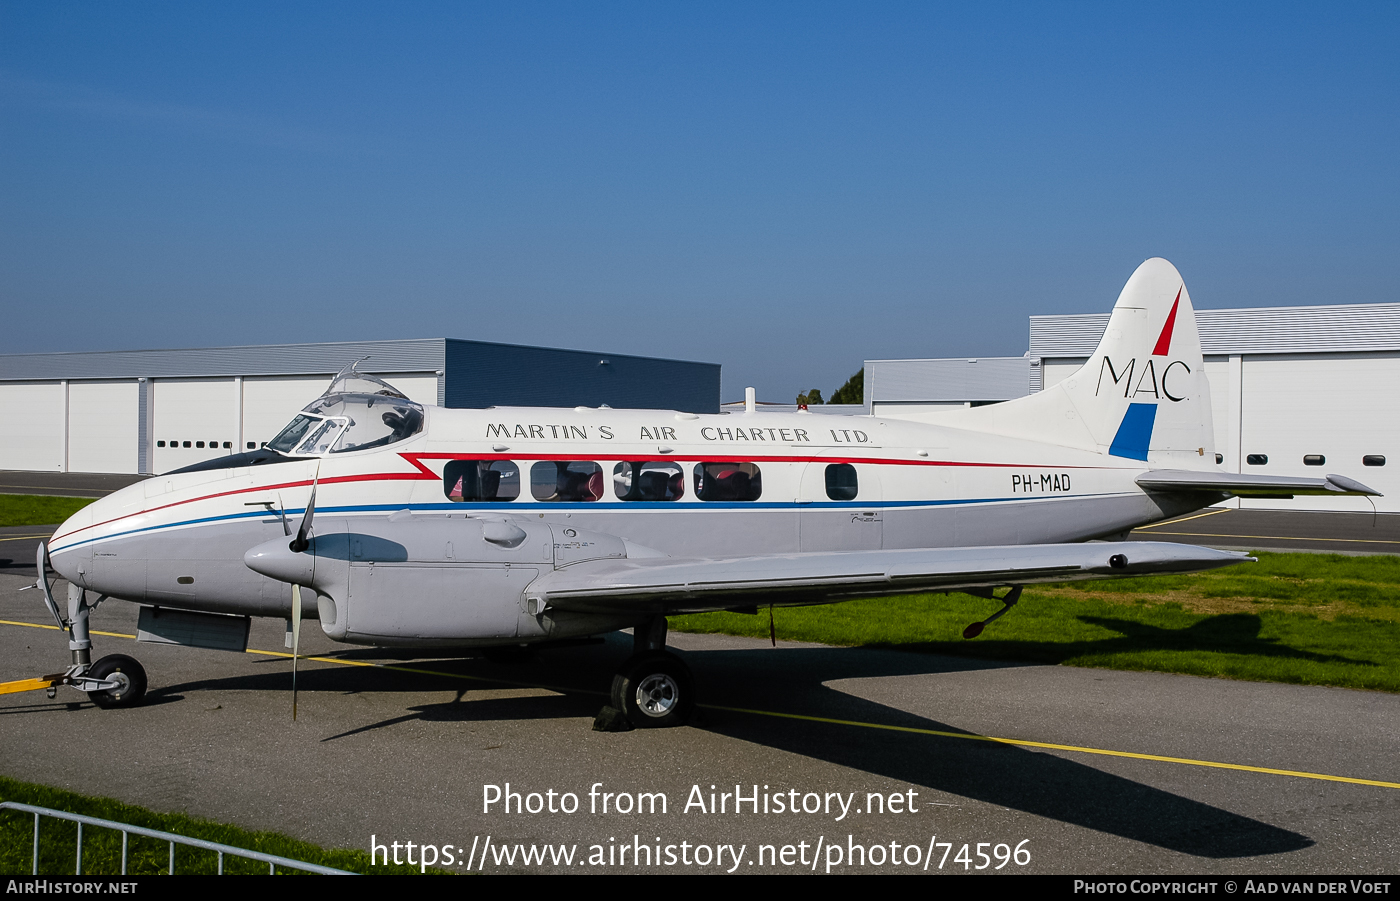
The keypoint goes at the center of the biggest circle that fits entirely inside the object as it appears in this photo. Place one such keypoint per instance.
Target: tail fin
(1142, 395)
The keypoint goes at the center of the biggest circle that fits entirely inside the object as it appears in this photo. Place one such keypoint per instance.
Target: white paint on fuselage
(926, 485)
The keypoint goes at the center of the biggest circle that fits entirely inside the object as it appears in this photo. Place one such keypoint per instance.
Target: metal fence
(272, 860)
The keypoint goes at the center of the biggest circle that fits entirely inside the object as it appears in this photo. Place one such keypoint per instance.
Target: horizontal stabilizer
(671, 585)
(1250, 485)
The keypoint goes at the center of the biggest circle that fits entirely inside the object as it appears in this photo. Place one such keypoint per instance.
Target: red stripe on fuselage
(423, 473)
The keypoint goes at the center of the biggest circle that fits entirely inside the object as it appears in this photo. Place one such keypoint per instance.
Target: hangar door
(104, 426)
(192, 420)
(33, 413)
(1311, 414)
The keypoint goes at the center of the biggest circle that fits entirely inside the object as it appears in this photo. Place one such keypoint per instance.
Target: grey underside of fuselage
(148, 568)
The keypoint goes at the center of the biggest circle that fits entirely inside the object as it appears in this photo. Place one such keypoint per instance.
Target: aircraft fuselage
(677, 483)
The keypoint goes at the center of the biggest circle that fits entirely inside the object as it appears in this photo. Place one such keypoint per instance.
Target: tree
(853, 392)
(811, 397)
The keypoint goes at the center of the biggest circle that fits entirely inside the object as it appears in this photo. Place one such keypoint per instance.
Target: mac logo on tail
(1134, 435)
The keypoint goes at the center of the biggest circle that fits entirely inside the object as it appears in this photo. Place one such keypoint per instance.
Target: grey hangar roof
(470, 373)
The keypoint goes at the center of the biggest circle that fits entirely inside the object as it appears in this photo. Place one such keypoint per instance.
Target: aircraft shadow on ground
(1227, 633)
(1017, 778)
(793, 681)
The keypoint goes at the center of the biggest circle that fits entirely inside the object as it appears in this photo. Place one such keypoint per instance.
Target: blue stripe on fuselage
(580, 507)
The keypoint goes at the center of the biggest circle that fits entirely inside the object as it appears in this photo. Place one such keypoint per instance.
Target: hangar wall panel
(1335, 405)
(1225, 426)
(480, 374)
(32, 438)
(1052, 372)
(420, 388)
(958, 379)
(104, 426)
(202, 412)
(270, 403)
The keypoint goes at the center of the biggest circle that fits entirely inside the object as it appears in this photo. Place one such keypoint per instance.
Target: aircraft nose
(68, 558)
(276, 560)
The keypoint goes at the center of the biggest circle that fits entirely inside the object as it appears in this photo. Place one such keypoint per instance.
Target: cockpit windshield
(357, 412)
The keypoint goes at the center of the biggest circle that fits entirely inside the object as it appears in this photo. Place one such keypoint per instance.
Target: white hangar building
(157, 410)
(1294, 390)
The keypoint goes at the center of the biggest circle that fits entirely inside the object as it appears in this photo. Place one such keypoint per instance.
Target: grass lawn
(38, 510)
(146, 856)
(1311, 619)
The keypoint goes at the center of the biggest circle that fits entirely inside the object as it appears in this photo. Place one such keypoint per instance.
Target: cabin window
(655, 480)
(841, 482)
(1257, 459)
(728, 482)
(487, 481)
(566, 480)
(160, 444)
(1373, 460)
(199, 444)
(1314, 460)
(187, 444)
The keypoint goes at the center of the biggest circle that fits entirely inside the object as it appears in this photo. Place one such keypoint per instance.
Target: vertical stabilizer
(1143, 395)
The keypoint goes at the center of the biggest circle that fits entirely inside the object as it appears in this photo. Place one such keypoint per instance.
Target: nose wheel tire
(654, 691)
(131, 679)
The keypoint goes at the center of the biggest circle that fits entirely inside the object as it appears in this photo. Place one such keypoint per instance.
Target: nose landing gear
(113, 681)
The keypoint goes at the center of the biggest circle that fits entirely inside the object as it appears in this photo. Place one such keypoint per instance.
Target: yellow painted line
(22, 537)
(430, 672)
(1172, 522)
(389, 666)
(6, 622)
(1023, 743)
(1284, 538)
(1054, 747)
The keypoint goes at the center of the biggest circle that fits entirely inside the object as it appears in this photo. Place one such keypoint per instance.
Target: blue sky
(786, 189)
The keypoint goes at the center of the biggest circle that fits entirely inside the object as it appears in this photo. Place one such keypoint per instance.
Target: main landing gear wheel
(125, 671)
(654, 691)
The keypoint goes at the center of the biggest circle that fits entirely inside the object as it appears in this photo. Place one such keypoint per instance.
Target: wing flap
(691, 585)
(1249, 484)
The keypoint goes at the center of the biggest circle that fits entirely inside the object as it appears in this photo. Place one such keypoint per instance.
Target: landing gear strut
(654, 688)
(114, 681)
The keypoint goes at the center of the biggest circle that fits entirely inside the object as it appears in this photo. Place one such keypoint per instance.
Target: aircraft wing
(672, 585)
(1249, 484)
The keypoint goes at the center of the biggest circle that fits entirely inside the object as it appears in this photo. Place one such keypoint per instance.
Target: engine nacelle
(416, 580)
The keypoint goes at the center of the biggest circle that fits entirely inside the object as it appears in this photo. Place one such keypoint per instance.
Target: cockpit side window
(357, 412)
(287, 439)
(322, 437)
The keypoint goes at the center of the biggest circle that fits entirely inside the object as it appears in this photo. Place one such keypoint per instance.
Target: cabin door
(839, 508)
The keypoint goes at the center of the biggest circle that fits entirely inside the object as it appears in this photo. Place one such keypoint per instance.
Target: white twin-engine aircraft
(422, 526)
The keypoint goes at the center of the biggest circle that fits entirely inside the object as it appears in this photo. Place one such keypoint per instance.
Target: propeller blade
(296, 643)
(301, 542)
